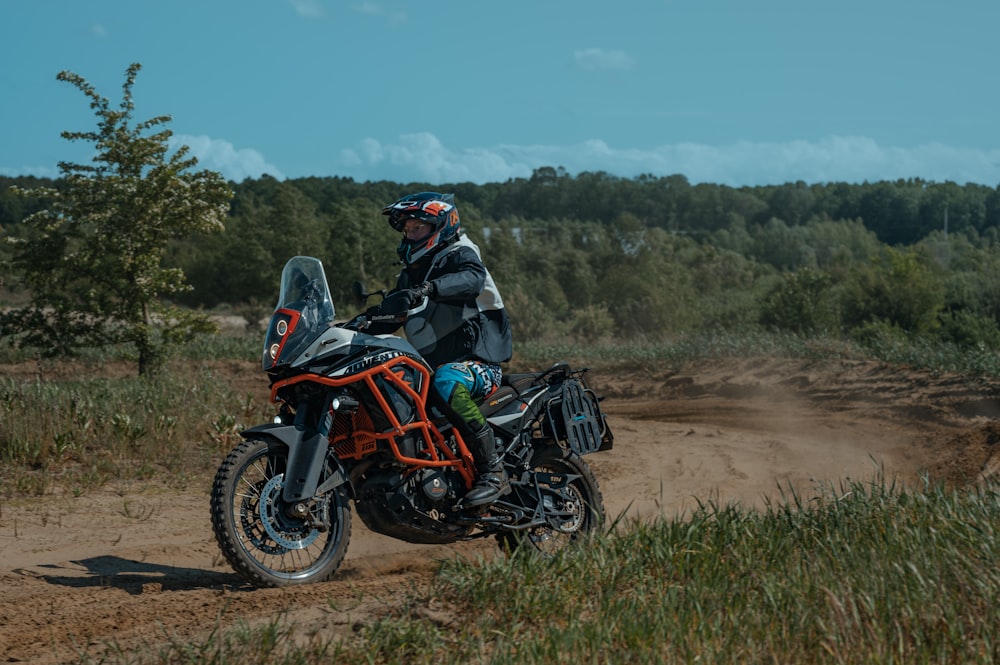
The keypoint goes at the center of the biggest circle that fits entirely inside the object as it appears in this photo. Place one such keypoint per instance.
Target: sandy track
(139, 566)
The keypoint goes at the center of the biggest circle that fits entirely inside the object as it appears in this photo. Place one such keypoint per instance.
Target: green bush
(900, 287)
(803, 302)
(966, 329)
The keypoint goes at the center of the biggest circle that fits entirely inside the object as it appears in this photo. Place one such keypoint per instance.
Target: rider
(462, 329)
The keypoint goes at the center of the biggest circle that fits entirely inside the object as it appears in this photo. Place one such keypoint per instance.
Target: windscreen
(304, 309)
(303, 286)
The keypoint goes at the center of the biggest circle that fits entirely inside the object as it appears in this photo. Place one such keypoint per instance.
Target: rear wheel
(256, 533)
(573, 510)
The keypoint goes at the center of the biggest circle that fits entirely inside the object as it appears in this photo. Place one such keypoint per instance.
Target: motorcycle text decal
(501, 399)
(370, 361)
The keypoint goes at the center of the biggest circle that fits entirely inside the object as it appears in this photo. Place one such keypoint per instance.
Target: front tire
(261, 541)
(580, 506)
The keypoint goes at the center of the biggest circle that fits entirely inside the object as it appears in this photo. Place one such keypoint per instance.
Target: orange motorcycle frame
(438, 453)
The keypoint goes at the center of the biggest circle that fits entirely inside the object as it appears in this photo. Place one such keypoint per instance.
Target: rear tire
(264, 544)
(585, 510)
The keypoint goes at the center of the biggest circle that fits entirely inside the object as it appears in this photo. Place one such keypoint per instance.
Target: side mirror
(361, 295)
(358, 291)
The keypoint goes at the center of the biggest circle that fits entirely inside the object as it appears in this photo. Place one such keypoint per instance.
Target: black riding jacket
(464, 317)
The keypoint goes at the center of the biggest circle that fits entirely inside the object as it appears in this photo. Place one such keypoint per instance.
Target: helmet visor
(415, 229)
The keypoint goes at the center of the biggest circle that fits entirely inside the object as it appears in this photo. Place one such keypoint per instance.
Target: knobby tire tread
(224, 527)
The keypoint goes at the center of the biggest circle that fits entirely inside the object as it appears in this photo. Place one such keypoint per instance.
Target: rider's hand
(359, 322)
(391, 310)
(417, 294)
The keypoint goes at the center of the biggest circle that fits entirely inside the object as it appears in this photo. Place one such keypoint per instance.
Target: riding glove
(418, 293)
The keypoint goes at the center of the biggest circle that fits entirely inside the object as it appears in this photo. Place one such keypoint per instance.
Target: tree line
(898, 212)
(594, 255)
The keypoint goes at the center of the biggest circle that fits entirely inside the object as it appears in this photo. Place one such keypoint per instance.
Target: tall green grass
(866, 573)
(898, 349)
(81, 432)
(869, 573)
(912, 352)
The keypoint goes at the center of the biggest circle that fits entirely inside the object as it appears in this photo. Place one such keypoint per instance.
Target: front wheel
(262, 541)
(573, 510)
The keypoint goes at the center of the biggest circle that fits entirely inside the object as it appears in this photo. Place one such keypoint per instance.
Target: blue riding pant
(462, 384)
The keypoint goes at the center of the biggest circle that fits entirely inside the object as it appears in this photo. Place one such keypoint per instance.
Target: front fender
(306, 456)
(289, 435)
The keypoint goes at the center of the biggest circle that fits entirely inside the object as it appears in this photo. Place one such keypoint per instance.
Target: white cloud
(422, 157)
(368, 8)
(99, 31)
(602, 60)
(233, 163)
(307, 8)
(375, 9)
(217, 155)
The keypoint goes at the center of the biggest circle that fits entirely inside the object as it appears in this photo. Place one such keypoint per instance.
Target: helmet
(432, 208)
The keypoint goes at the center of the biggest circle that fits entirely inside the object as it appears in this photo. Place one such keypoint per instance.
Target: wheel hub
(568, 517)
(289, 532)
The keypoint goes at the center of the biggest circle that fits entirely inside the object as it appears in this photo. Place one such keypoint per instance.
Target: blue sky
(737, 92)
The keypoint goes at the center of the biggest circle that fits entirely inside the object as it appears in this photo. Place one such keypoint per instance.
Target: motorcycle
(359, 420)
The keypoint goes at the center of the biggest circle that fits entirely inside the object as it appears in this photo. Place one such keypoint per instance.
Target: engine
(416, 508)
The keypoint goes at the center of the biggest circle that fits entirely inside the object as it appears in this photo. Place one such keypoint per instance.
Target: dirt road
(138, 566)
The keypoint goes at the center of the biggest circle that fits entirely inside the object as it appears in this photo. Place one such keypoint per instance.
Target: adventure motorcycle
(359, 420)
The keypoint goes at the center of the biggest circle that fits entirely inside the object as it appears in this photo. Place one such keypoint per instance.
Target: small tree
(93, 259)
(900, 288)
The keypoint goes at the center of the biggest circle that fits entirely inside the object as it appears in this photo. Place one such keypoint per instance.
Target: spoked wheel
(573, 509)
(256, 532)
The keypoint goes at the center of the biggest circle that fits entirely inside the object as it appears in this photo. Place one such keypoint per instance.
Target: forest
(595, 257)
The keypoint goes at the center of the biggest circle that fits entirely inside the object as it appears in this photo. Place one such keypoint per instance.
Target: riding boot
(492, 482)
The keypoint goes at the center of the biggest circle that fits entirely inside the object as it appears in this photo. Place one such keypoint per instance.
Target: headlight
(343, 403)
(273, 351)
